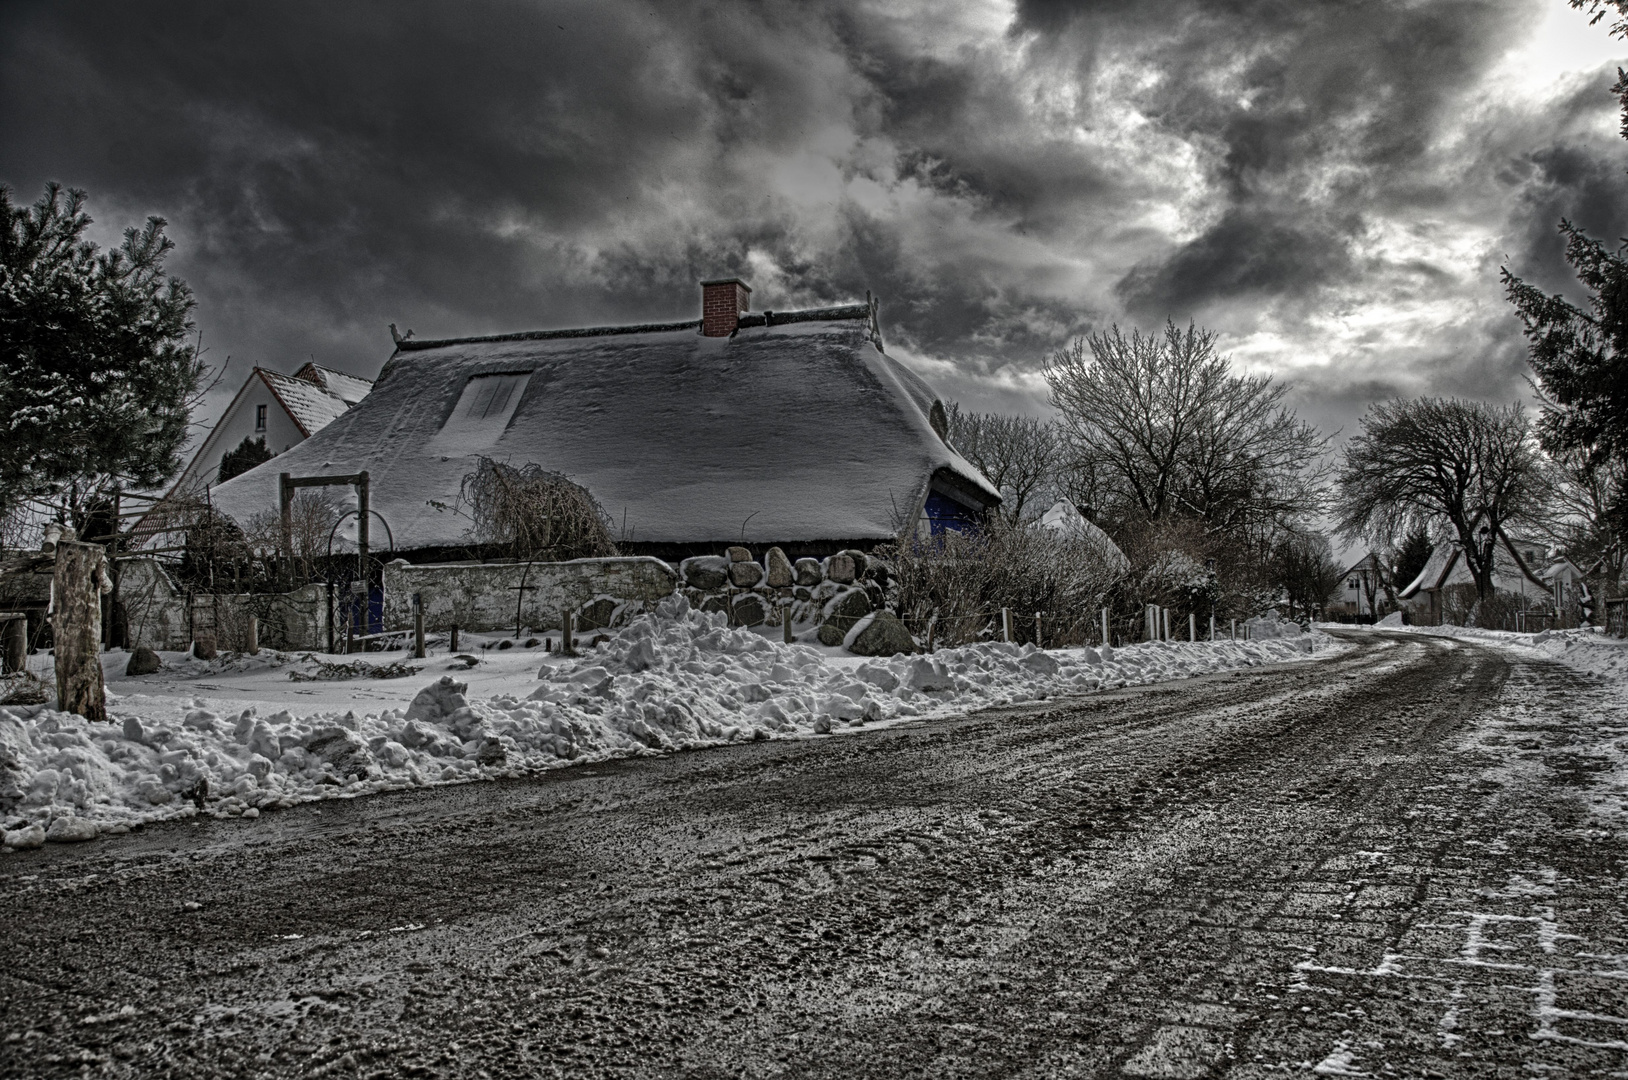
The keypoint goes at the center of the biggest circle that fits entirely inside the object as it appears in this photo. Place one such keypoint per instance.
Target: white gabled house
(284, 410)
(1364, 589)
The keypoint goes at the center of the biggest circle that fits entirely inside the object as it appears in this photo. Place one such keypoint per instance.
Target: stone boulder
(841, 569)
(737, 553)
(143, 661)
(705, 572)
(204, 647)
(749, 610)
(841, 614)
(780, 571)
(862, 562)
(809, 573)
(341, 749)
(884, 636)
(744, 575)
(595, 615)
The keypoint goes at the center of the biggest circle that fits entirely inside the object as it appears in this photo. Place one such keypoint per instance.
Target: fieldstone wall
(840, 599)
(483, 597)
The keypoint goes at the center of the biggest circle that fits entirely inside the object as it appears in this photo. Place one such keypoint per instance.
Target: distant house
(792, 428)
(1365, 588)
(1522, 569)
(284, 410)
(1065, 519)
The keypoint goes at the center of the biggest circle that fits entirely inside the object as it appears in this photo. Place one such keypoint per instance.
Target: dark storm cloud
(1002, 180)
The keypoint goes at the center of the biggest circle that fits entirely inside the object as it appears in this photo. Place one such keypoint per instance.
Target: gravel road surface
(1377, 864)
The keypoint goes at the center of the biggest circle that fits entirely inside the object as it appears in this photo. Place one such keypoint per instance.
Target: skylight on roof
(483, 411)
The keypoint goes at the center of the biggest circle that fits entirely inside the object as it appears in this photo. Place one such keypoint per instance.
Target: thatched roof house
(789, 428)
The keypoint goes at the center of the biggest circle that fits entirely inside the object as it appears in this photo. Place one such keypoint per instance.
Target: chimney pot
(722, 302)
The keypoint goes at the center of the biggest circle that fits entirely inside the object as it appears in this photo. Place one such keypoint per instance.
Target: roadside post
(1192, 627)
(1105, 640)
(1006, 624)
(76, 627)
(253, 643)
(13, 642)
(1039, 641)
(418, 626)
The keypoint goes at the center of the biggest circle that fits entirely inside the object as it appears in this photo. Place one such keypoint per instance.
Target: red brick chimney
(722, 302)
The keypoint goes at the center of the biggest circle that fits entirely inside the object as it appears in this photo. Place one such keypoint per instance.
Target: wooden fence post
(1039, 642)
(1006, 624)
(14, 647)
(76, 627)
(418, 626)
(785, 622)
(568, 644)
(454, 642)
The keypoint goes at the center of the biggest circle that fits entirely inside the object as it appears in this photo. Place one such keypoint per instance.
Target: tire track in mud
(1120, 884)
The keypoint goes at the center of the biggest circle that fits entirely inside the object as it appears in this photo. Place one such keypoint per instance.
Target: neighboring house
(1364, 589)
(285, 410)
(1066, 519)
(1522, 570)
(792, 428)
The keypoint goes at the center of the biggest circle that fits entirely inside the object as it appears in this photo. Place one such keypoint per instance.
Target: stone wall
(482, 596)
(161, 615)
(838, 600)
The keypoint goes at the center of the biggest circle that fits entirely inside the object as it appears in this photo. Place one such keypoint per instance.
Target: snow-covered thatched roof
(797, 428)
(1065, 519)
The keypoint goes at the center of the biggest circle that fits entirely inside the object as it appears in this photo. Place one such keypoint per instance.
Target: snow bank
(671, 680)
(1584, 649)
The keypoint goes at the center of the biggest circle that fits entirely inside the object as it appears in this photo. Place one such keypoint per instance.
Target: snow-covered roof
(1446, 567)
(347, 388)
(797, 427)
(1065, 518)
(312, 407)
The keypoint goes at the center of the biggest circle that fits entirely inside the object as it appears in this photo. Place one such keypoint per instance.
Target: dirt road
(1377, 864)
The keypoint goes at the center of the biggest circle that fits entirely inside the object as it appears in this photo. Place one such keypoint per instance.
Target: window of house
(259, 418)
(1352, 583)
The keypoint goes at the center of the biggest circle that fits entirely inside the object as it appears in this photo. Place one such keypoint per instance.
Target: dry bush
(535, 513)
(312, 515)
(958, 582)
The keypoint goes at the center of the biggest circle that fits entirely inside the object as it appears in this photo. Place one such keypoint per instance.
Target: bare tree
(1164, 428)
(1585, 492)
(1018, 454)
(1306, 571)
(1431, 461)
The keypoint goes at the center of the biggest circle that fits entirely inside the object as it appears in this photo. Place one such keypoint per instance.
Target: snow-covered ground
(240, 734)
(1591, 724)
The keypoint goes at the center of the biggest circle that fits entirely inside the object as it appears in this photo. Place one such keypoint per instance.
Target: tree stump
(76, 625)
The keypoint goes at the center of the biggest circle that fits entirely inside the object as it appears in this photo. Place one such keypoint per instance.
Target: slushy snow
(671, 680)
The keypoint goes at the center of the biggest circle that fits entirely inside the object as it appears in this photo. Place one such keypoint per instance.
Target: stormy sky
(1333, 186)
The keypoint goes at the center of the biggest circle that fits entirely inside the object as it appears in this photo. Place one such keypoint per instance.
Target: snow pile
(671, 680)
(1584, 649)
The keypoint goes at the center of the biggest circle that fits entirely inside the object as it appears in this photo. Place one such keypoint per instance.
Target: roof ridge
(841, 312)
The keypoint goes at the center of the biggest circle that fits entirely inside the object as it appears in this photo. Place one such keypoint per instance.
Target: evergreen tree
(248, 454)
(1580, 354)
(96, 373)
